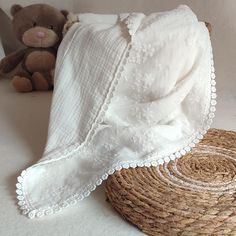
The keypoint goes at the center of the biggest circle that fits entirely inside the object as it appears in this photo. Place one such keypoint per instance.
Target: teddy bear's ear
(65, 13)
(209, 26)
(15, 8)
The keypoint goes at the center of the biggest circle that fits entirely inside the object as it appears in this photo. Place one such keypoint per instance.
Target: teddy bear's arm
(8, 63)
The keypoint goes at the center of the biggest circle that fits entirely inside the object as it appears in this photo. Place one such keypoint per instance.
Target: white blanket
(130, 91)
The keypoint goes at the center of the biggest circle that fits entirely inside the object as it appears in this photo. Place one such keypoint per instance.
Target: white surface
(220, 13)
(23, 128)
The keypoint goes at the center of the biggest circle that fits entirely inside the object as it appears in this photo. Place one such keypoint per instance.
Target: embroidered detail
(32, 213)
(150, 159)
(132, 21)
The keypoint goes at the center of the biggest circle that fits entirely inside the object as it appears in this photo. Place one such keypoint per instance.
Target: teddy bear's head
(38, 25)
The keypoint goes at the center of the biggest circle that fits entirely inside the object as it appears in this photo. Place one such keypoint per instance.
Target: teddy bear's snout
(40, 37)
(40, 34)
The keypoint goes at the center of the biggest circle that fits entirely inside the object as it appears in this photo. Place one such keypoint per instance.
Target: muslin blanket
(130, 90)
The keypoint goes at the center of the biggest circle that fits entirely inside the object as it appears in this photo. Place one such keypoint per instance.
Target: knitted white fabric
(131, 90)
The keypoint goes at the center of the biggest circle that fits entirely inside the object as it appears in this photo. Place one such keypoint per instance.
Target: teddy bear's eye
(34, 24)
(50, 27)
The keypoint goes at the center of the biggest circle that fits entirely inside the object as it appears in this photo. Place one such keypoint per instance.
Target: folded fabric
(130, 90)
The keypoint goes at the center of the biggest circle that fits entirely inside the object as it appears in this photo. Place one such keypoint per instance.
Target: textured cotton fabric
(130, 90)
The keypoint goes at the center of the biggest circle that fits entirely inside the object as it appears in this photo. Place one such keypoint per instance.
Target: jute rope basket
(192, 195)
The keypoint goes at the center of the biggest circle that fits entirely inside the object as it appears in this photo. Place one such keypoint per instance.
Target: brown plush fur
(39, 27)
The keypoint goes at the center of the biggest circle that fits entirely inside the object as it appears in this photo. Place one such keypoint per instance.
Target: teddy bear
(39, 27)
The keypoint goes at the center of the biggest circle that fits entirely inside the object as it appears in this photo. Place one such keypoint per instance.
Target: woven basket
(192, 195)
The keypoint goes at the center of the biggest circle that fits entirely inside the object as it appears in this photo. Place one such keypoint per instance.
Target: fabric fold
(136, 91)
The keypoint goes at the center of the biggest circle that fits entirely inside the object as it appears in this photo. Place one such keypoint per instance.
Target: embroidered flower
(135, 139)
(107, 147)
(135, 57)
(141, 86)
(148, 114)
